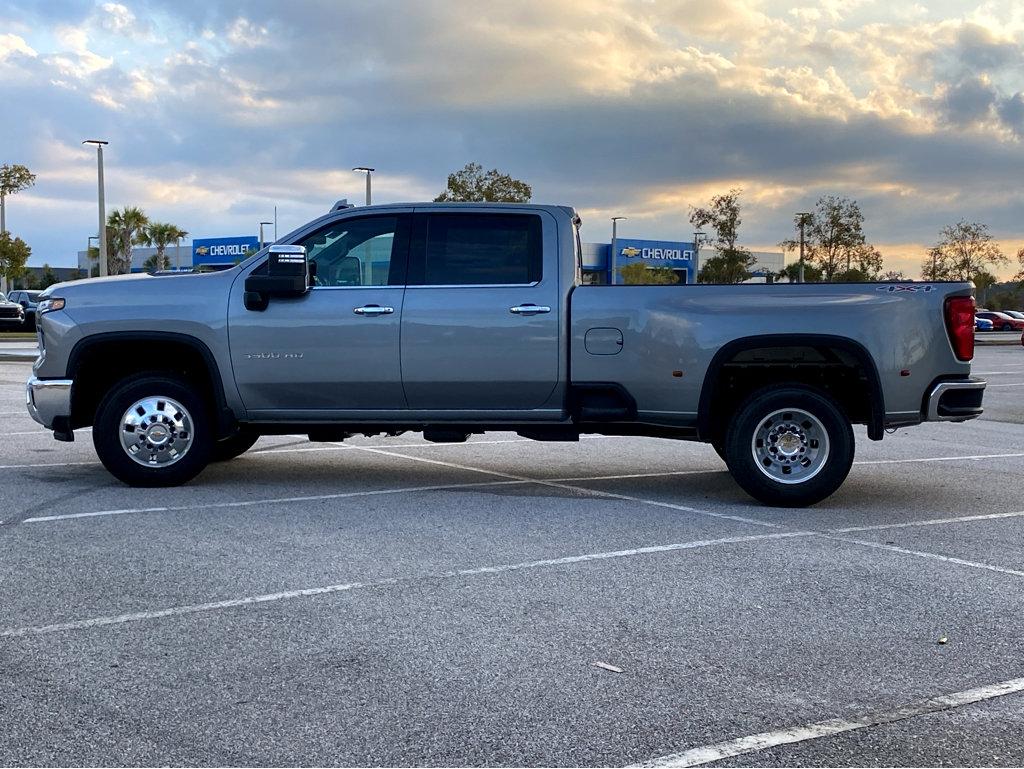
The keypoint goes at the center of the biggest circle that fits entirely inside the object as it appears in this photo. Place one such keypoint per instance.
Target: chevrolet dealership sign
(223, 250)
(663, 253)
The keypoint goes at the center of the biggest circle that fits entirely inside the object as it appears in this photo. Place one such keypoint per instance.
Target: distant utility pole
(697, 235)
(613, 260)
(99, 143)
(367, 171)
(802, 222)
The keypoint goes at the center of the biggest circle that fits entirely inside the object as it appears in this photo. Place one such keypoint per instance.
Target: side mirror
(287, 275)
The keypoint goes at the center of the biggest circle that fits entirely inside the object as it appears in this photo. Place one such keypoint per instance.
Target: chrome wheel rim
(156, 432)
(790, 446)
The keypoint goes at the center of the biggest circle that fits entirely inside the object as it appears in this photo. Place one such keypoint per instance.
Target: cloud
(616, 106)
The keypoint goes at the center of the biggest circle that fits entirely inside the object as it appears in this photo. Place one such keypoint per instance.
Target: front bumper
(955, 401)
(49, 401)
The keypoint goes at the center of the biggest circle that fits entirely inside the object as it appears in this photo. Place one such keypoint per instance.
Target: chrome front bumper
(955, 401)
(48, 400)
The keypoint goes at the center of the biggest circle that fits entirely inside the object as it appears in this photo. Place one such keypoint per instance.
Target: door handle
(528, 309)
(373, 309)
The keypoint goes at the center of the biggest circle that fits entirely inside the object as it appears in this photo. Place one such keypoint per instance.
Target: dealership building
(680, 257)
(201, 252)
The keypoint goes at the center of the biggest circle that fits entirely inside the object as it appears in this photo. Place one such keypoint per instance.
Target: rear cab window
(474, 249)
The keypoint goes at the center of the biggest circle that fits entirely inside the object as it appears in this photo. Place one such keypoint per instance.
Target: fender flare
(876, 422)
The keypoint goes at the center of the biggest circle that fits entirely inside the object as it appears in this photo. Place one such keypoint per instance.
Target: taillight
(960, 325)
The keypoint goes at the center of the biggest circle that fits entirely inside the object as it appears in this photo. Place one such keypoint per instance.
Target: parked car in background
(1002, 321)
(1014, 314)
(28, 301)
(983, 324)
(12, 314)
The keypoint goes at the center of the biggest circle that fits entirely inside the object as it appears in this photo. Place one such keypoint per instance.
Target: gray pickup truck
(454, 319)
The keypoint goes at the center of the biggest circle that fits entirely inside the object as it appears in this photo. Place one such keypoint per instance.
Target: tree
(472, 185)
(964, 250)
(13, 179)
(834, 238)
(49, 277)
(892, 276)
(125, 230)
(28, 281)
(792, 272)
(639, 274)
(732, 263)
(983, 281)
(156, 262)
(14, 252)
(161, 235)
(1019, 277)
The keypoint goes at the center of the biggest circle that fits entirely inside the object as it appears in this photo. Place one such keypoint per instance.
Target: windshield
(33, 296)
(3, 296)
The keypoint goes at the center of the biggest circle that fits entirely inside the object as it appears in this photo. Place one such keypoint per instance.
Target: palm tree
(161, 235)
(127, 227)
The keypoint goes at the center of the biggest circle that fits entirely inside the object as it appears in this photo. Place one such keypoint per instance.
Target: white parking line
(924, 554)
(1012, 384)
(927, 522)
(270, 501)
(45, 464)
(969, 458)
(578, 489)
(344, 587)
(791, 735)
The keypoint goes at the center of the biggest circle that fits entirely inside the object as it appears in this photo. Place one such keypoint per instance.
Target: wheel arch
(710, 395)
(99, 360)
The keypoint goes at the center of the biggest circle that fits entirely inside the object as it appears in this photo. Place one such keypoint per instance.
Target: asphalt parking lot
(392, 602)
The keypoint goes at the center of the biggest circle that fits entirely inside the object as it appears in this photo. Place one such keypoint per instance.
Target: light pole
(88, 245)
(99, 143)
(615, 243)
(261, 233)
(367, 171)
(801, 220)
(697, 235)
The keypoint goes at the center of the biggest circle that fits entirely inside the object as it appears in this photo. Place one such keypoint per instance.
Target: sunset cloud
(218, 111)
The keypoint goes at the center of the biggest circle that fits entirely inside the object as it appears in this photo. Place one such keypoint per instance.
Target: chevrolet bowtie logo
(203, 250)
(630, 251)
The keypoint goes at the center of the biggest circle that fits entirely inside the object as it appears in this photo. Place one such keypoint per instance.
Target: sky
(218, 111)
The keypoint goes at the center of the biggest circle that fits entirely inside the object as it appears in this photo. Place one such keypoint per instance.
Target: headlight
(49, 305)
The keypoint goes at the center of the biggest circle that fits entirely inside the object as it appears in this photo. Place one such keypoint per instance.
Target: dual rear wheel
(788, 446)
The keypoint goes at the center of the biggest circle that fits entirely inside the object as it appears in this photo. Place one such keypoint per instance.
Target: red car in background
(1002, 321)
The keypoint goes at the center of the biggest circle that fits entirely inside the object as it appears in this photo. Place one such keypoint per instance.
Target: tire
(1007, 327)
(177, 442)
(789, 446)
(719, 446)
(235, 446)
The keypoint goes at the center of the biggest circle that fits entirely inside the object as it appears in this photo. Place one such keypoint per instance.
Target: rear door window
(469, 249)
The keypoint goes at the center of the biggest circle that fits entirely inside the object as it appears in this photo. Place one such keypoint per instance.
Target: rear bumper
(49, 401)
(955, 401)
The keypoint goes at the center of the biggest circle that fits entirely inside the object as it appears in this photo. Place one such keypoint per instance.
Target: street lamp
(261, 233)
(615, 239)
(367, 171)
(801, 220)
(99, 143)
(697, 235)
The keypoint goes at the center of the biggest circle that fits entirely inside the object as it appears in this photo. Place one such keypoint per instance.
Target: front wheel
(789, 446)
(153, 430)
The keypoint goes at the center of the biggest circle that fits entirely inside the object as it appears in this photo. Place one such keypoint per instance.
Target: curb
(17, 357)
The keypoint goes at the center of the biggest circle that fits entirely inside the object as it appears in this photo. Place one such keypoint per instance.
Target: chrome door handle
(373, 309)
(528, 309)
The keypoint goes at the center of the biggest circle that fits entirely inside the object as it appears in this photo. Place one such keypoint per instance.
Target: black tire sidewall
(749, 476)
(229, 448)
(106, 431)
